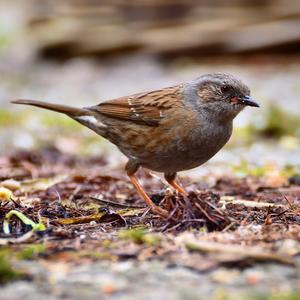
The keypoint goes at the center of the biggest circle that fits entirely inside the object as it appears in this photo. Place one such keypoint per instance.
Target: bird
(166, 130)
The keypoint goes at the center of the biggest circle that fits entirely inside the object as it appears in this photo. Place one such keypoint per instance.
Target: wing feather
(144, 108)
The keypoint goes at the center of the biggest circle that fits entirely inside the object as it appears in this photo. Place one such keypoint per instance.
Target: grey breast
(203, 144)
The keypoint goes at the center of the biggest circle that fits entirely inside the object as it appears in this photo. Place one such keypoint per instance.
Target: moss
(244, 168)
(276, 123)
(279, 296)
(96, 255)
(7, 272)
(7, 117)
(272, 123)
(4, 39)
(290, 171)
(107, 244)
(58, 120)
(223, 294)
(139, 236)
(135, 234)
(292, 296)
(30, 252)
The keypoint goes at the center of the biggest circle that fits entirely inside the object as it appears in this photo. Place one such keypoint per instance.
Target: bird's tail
(68, 110)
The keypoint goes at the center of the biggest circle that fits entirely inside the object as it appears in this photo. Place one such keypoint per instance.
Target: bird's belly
(177, 159)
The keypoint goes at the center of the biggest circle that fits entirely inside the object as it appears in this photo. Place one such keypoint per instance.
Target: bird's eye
(225, 88)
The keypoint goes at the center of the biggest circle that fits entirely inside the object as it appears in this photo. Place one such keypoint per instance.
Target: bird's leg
(131, 168)
(171, 180)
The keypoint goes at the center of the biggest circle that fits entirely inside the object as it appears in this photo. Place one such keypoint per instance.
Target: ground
(235, 236)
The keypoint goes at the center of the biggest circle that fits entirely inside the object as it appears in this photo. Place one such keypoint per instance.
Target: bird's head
(221, 94)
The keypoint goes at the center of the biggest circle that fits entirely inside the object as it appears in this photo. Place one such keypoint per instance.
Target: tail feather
(68, 110)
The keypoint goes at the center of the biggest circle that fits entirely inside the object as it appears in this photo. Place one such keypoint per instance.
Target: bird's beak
(248, 101)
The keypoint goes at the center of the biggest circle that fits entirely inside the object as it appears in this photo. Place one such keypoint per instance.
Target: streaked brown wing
(144, 108)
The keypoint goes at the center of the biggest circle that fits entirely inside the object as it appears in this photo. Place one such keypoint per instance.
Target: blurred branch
(72, 28)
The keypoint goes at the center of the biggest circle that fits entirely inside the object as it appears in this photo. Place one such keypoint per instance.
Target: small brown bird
(167, 130)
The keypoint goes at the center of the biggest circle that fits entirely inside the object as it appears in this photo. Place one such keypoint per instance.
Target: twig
(206, 214)
(229, 226)
(24, 238)
(246, 218)
(216, 208)
(116, 204)
(288, 201)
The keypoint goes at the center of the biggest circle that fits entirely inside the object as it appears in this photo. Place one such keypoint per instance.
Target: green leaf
(35, 226)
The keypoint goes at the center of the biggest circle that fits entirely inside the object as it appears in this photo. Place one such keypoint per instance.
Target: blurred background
(82, 52)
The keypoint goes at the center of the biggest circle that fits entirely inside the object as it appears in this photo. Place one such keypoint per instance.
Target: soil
(237, 237)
